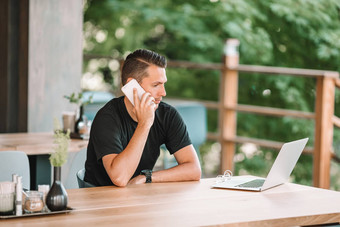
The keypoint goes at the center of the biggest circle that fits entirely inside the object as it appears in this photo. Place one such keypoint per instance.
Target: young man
(125, 139)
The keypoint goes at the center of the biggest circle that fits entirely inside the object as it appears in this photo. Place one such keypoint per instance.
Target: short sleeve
(106, 135)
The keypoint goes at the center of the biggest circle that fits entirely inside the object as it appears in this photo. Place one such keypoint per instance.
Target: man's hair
(136, 64)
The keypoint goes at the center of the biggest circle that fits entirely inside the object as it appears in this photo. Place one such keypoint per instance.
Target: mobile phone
(127, 89)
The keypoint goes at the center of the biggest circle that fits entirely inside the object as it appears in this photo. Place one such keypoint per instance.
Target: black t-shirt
(113, 128)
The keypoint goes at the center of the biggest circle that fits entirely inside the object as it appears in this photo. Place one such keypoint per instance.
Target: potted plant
(80, 126)
(56, 198)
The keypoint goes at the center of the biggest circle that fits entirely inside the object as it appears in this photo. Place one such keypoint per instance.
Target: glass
(33, 202)
(7, 196)
(7, 204)
(225, 177)
(44, 188)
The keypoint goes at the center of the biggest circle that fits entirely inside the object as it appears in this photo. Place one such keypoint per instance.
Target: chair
(81, 182)
(195, 117)
(75, 162)
(99, 99)
(15, 162)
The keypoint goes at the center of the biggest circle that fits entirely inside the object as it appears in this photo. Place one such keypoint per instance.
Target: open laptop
(278, 174)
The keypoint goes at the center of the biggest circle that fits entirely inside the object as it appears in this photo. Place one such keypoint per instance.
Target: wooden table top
(35, 143)
(193, 204)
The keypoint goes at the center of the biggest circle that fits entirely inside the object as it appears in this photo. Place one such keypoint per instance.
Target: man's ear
(129, 79)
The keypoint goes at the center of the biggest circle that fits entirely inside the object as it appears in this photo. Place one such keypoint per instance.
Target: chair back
(99, 99)
(15, 162)
(75, 162)
(81, 182)
(194, 116)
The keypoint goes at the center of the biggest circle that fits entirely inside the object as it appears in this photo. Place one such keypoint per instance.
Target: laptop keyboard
(252, 184)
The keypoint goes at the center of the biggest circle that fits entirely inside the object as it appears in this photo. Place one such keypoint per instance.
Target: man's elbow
(197, 173)
(119, 182)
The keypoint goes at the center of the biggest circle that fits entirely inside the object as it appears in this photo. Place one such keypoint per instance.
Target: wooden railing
(326, 82)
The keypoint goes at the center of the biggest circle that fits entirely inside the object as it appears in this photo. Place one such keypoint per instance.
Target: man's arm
(121, 167)
(188, 168)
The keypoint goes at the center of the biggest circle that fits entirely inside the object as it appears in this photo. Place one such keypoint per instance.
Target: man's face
(154, 83)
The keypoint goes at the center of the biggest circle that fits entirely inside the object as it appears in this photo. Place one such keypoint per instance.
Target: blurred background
(296, 34)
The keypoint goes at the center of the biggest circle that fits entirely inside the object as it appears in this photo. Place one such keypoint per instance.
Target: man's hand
(140, 179)
(144, 108)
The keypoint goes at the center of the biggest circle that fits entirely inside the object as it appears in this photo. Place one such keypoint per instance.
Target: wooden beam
(324, 111)
(23, 67)
(4, 31)
(229, 99)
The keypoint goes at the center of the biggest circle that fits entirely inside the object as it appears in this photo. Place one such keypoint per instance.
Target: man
(125, 140)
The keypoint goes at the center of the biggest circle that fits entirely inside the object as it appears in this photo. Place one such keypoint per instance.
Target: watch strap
(148, 174)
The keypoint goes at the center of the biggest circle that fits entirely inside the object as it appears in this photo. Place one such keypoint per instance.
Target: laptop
(278, 174)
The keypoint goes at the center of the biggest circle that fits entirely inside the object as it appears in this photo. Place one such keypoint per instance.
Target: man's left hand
(140, 179)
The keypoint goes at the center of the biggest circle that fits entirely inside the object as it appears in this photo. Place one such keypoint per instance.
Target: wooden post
(229, 94)
(324, 111)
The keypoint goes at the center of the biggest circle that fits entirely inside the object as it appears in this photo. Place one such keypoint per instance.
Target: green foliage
(78, 99)
(61, 142)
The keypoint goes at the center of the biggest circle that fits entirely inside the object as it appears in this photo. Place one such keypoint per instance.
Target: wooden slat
(273, 111)
(193, 65)
(337, 82)
(265, 143)
(207, 104)
(336, 121)
(213, 136)
(287, 71)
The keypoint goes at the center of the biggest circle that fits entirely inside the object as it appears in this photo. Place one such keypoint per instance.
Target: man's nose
(162, 91)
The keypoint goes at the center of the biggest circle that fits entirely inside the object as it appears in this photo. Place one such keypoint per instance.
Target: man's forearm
(190, 171)
(123, 166)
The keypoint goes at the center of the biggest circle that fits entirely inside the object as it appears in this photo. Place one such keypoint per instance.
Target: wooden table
(193, 204)
(35, 143)
(38, 147)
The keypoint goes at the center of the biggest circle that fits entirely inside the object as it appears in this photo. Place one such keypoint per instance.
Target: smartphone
(127, 89)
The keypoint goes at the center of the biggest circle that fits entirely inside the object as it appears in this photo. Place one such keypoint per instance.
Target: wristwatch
(147, 173)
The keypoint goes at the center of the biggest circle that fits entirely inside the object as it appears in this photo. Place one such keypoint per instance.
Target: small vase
(80, 123)
(56, 198)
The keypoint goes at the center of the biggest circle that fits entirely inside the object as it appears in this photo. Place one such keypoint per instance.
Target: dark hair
(136, 64)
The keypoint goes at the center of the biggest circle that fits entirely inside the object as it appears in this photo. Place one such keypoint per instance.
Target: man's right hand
(144, 109)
